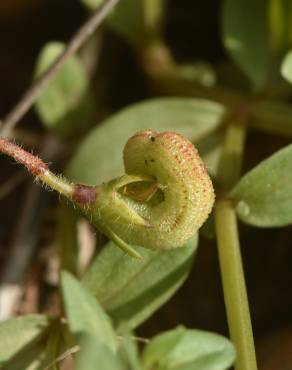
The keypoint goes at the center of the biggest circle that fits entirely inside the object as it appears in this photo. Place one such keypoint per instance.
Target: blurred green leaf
(134, 21)
(286, 67)
(246, 37)
(142, 16)
(129, 12)
(185, 349)
(62, 105)
(127, 19)
(129, 351)
(199, 73)
(54, 346)
(272, 116)
(92, 4)
(22, 342)
(210, 150)
(264, 195)
(280, 21)
(85, 315)
(99, 157)
(132, 290)
(95, 355)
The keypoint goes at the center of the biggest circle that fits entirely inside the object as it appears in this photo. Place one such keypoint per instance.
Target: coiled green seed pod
(163, 200)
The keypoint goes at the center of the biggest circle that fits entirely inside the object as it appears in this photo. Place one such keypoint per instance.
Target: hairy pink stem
(33, 163)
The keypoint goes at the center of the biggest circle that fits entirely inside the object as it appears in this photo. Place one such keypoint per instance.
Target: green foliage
(210, 150)
(94, 354)
(142, 16)
(286, 67)
(199, 72)
(193, 118)
(92, 4)
(64, 106)
(245, 36)
(256, 33)
(280, 17)
(22, 342)
(184, 349)
(129, 351)
(85, 315)
(263, 196)
(132, 290)
(116, 288)
(125, 13)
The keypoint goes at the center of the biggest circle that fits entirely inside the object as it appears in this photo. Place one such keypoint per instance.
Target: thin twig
(21, 251)
(25, 237)
(63, 356)
(78, 39)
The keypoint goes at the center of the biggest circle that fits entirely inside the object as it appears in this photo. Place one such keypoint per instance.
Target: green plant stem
(231, 159)
(153, 11)
(235, 295)
(58, 183)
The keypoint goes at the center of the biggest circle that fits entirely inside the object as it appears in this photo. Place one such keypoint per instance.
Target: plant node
(84, 194)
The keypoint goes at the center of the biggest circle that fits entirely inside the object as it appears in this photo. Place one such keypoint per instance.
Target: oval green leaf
(99, 157)
(264, 195)
(85, 315)
(131, 290)
(62, 105)
(185, 349)
(246, 37)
